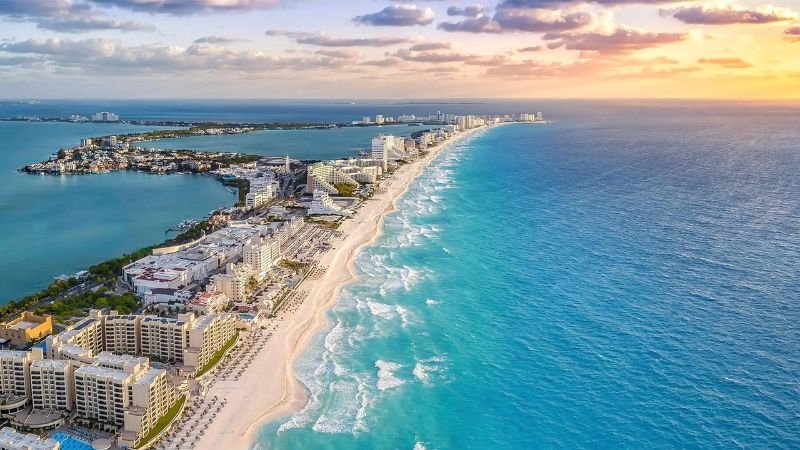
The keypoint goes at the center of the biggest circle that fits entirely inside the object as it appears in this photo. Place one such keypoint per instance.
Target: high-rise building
(233, 283)
(378, 118)
(208, 335)
(165, 338)
(52, 384)
(15, 385)
(261, 256)
(105, 117)
(122, 333)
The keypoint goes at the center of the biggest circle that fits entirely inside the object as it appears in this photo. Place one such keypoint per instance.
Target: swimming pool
(69, 442)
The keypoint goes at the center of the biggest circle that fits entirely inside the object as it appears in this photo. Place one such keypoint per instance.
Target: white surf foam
(386, 375)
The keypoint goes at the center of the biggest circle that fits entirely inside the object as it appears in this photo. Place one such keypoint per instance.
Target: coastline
(292, 331)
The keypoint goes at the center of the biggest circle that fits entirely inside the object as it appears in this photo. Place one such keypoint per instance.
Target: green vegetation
(297, 266)
(252, 285)
(107, 271)
(217, 356)
(194, 233)
(331, 225)
(163, 422)
(244, 188)
(75, 305)
(345, 190)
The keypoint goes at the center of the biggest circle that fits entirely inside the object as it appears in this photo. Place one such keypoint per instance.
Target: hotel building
(15, 385)
(52, 384)
(208, 335)
(165, 338)
(122, 333)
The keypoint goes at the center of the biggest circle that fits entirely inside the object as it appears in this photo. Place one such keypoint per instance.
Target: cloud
(17, 61)
(322, 39)
(186, 7)
(218, 40)
(86, 24)
(112, 57)
(338, 54)
(467, 11)
(558, 3)
(730, 14)
(482, 24)
(66, 16)
(622, 40)
(793, 34)
(398, 16)
(607, 66)
(387, 62)
(510, 18)
(539, 20)
(434, 57)
(728, 63)
(35, 8)
(426, 46)
(534, 48)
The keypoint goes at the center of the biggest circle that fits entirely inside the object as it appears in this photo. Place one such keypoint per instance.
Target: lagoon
(51, 225)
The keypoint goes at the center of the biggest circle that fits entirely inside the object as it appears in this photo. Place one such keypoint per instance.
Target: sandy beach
(268, 388)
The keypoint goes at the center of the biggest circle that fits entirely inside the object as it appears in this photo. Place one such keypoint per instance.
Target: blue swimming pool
(69, 442)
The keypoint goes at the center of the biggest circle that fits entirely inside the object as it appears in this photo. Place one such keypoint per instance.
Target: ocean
(624, 278)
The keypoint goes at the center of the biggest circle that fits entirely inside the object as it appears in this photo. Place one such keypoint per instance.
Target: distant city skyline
(407, 49)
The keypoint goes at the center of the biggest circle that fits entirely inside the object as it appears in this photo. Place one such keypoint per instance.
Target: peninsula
(189, 326)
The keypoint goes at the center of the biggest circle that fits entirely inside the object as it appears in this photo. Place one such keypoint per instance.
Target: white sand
(268, 388)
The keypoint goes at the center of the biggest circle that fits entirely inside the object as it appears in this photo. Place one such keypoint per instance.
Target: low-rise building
(10, 439)
(26, 328)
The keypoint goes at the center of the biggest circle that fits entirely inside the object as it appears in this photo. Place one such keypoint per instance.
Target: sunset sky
(408, 49)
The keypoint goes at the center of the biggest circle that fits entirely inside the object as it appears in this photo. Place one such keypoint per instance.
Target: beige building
(101, 394)
(15, 386)
(121, 333)
(52, 384)
(233, 283)
(26, 328)
(165, 338)
(123, 391)
(151, 396)
(87, 334)
(261, 256)
(208, 335)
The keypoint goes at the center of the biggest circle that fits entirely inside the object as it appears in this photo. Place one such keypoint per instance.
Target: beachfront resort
(215, 309)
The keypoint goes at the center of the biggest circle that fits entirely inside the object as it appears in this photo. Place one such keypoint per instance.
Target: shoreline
(293, 331)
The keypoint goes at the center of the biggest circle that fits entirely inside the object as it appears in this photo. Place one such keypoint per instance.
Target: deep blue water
(625, 278)
(260, 110)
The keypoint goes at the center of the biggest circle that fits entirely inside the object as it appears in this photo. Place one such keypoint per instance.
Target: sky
(348, 49)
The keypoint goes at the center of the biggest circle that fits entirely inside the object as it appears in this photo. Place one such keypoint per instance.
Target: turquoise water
(70, 442)
(298, 144)
(626, 278)
(51, 225)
